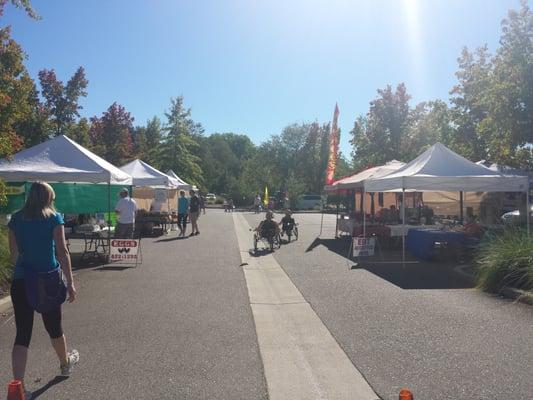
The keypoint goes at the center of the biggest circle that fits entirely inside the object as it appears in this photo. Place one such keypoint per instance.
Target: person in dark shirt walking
(194, 210)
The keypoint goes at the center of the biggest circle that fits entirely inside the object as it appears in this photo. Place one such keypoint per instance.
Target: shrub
(6, 268)
(506, 260)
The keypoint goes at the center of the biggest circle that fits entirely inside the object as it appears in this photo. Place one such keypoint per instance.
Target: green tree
(63, 100)
(180, 143)
(153, 137)
(80, 132)
(380, 136)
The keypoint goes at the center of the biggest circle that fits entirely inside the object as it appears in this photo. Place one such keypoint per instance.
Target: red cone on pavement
(15, 391)
(405, 394)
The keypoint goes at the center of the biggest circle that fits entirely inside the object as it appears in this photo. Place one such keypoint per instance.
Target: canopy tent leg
(528, 211)
(109, 216)
(322, 217)
(337, 218)
(403, 228)
(363, 195)
(461, 208)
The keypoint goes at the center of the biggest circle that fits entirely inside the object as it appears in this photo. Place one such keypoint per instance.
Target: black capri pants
(182, 221)
(24, 316)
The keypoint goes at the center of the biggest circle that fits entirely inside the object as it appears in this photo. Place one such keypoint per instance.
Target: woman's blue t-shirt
(35, 242)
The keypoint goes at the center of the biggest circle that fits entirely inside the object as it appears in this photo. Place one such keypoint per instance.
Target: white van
(309, 201)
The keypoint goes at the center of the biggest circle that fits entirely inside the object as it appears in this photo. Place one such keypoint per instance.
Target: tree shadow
(387, 264)
(58, 379)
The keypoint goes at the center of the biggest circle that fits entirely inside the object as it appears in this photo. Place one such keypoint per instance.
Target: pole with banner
(333, 147)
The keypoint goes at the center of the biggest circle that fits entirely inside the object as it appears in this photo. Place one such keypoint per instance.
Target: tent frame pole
(528, 211)
(109, 215)
(403, 227)
(363, 193)
(322, 217)
(337, 217)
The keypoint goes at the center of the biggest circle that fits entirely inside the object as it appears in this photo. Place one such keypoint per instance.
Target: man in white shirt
(126, 209)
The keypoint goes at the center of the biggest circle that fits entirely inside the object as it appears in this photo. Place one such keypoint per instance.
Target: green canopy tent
(83, 181)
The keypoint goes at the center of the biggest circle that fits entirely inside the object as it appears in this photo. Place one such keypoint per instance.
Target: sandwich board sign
(126, 251)
(363, 247)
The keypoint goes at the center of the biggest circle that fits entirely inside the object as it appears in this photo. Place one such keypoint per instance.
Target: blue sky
(252, 66)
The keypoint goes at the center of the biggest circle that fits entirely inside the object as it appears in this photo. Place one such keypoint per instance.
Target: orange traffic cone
(405, 394)
(15, 391)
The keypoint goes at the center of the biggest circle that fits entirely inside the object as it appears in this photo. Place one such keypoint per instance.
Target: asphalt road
(421, 327)
(177, 327)
(180, 326)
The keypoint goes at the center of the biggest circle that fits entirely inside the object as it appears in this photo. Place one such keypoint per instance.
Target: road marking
(301, 358)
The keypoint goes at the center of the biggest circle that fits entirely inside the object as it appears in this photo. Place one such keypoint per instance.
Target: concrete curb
(521, 296)
(5, 304)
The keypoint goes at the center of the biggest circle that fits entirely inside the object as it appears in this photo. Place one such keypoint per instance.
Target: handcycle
(271, 237)
(293, 231)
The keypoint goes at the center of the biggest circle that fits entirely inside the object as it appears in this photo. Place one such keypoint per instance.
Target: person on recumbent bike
(288, 225)
(268, 228)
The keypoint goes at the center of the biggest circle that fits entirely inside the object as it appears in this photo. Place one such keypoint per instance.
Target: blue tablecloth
(420, 242)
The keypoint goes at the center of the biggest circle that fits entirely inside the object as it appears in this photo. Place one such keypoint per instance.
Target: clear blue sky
(255, 66)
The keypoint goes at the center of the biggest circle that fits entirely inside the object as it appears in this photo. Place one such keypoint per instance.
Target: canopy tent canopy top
(146, 175)
(180, 183)
(357, 181)
(61, 160)
(506, 170)
(440, 169)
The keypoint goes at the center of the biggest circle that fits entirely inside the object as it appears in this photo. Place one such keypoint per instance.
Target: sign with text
(14, 190)
(160, 195)
(124, 250)
(363, 246)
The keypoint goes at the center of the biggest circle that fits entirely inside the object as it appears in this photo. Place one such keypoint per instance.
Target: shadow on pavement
(387, 264)
(55, 381)
(171, 239)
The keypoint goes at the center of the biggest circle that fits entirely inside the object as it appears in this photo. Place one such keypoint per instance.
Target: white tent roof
(180, 183)
(358, 180)
(61, 160)
(440, 169)
(506, 170)
(146, 175)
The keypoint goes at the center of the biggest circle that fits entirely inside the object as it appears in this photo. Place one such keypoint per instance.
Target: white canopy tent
(181, 184)
(146, 175)
(357, 181)
(440, 169)
(506, 170)
(61, 160)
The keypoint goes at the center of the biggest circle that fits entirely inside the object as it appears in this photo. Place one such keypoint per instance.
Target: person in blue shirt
(37, 239)
(183, 211)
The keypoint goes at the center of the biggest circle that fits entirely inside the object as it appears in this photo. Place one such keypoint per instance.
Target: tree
(15, 88)
(62, 100)
(80, 132)
(379, 136)
(153, 135)
(179, 143)
(24, 4)
(110, 135)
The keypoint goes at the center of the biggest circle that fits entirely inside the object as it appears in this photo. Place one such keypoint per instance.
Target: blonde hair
(40, 201)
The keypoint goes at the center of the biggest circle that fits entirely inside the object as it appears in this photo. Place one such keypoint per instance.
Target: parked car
(308, 201)
(513, 217)
(210, 198)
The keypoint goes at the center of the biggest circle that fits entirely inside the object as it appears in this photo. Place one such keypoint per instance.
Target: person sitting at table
(472, 228)
(126, 208)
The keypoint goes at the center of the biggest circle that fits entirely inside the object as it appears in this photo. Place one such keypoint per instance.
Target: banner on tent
(125, 250)
(363, 247)
(160, 195)
(14, 190)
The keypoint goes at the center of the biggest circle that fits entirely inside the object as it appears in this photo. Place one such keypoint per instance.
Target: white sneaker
(72, 358)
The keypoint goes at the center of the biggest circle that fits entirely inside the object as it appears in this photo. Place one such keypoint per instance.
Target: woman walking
(37, 245)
